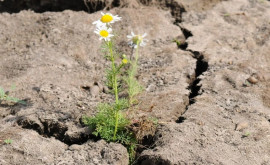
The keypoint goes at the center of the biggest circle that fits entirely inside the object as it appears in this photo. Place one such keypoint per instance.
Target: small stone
(241, 125)
(151, 88)
(252, 80)
(94, 90)
(75, 147)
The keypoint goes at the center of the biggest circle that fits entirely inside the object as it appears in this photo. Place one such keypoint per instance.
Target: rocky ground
(210, 93)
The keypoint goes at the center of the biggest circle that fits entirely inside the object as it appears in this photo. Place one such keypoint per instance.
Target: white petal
(98, 27)
(132, 34)
(102, 27)
(102, 13)
(101, 24)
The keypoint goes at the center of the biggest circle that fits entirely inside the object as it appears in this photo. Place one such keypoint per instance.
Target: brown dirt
(200, 91)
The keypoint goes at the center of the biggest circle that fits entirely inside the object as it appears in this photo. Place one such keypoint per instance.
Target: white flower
(104, 33)
(135, 40)
(107, 18)
(99, 24)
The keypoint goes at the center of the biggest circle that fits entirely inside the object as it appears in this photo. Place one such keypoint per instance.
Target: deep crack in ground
(52, 128)
(201, 67)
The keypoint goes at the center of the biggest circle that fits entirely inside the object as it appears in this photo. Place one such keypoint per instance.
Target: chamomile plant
(134, 88)
(111, 122)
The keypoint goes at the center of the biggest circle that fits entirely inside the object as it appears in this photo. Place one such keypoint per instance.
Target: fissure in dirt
(201, 67)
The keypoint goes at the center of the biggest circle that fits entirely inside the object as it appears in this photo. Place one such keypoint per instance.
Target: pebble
(151, 88)
(75, 147)
(94, 90)
(252, 80)
(241, 125)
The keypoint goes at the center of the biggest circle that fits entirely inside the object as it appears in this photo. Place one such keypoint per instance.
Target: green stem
(116, 125)
(116, 109)
(115, 90)
(115, 87)
(133, 72)
(137, 53)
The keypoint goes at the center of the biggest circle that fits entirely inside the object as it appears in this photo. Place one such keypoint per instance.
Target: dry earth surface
(210, 94)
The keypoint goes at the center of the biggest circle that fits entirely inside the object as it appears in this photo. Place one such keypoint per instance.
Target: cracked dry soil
(211, 93)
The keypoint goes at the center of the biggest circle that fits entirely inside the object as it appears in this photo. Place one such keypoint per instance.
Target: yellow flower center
(104, 33)
(124, 61)
(137, 39)
(106, 18)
